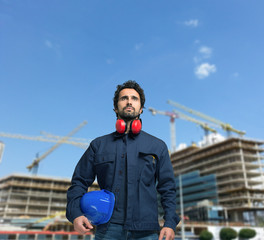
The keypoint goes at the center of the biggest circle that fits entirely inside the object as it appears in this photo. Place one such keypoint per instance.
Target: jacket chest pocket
(147, 165)
(104, 167)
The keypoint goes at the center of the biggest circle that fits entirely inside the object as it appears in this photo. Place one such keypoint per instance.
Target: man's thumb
(87, 223)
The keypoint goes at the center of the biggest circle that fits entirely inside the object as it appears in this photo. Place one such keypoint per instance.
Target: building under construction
(237, 165)
(33, 197)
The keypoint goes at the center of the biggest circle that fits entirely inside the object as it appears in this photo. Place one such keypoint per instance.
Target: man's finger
(87, 223)
(161, 234)
(82, 225)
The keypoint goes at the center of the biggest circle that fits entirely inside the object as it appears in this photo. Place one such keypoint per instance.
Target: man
(133, 165)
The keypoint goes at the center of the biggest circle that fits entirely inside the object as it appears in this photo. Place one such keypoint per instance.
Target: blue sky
(60, 62)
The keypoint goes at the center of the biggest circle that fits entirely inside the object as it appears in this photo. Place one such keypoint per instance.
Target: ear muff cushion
(120, 126)
(136, 126)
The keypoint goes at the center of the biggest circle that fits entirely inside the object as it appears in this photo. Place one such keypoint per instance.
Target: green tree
(206, 235)
(228, 234)
(246, 233)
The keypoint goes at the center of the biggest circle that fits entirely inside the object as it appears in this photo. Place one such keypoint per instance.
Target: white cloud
(211, 139)
(192, 23)
(181, 146)
(204, 70)
(206, 51)
(138, 46)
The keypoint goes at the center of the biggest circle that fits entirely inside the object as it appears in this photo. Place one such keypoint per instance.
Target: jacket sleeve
(167, 189)
(82, 178)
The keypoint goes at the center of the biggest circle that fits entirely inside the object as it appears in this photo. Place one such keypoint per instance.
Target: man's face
(128, 105)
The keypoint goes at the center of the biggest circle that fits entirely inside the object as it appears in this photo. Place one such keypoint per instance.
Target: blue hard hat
(98, 206)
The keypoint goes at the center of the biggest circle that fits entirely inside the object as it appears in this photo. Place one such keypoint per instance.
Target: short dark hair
(129, 84)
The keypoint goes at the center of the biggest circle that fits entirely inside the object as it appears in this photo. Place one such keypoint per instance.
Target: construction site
(220, 183)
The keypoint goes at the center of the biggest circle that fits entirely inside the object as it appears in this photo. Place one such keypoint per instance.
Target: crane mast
(2, 147)
(172, 125)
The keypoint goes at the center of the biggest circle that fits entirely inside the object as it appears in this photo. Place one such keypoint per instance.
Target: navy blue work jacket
(148, 169)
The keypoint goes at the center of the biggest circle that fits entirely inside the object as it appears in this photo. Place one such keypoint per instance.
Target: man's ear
(140, 110)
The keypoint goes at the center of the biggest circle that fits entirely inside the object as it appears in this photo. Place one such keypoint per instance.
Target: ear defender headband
(135, 126)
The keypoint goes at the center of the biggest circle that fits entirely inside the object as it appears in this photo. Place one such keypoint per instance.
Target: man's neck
(128, 126)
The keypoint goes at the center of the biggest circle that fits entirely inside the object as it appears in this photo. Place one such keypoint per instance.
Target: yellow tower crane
(34, 165)
(225, 126)
(205, 126)
(177, 114)
(58, 140)
(79, 142)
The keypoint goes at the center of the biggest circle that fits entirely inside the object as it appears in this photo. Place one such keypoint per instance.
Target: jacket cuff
(76, 213)
(172, 223)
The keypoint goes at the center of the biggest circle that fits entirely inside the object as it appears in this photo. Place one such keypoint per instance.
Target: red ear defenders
(135, 126)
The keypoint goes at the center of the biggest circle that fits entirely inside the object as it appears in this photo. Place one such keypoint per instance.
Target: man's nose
(129, 101)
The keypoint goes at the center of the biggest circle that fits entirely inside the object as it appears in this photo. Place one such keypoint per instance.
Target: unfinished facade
(30, 196)
(238, 166)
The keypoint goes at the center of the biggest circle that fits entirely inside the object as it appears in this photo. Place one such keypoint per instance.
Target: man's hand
(168, 233)
(82, 225)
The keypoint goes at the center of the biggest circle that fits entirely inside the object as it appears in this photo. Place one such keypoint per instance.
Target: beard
(128, 116)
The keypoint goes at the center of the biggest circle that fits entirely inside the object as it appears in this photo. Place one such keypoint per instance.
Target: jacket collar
(120, 135)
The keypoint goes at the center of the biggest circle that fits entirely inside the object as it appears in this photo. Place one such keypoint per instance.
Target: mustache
(128, 107)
